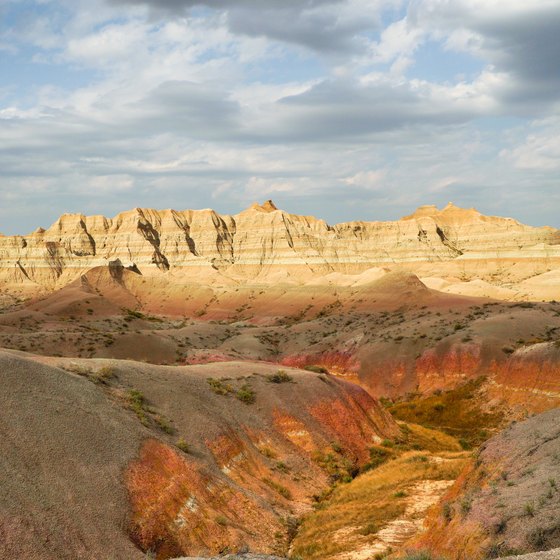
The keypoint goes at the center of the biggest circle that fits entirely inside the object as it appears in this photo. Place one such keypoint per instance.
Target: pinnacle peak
(267, 206)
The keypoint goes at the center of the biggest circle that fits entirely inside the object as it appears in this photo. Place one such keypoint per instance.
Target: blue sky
(345, 109)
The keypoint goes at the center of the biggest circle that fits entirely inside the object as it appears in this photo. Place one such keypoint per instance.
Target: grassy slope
(355, 512)
(456, 412)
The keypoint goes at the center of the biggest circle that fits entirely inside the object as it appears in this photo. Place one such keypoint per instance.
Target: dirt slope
(64, 450)
(108, 455)
(507, 501)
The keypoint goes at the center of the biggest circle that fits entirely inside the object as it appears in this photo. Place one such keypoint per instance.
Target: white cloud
(540, 150)
(371, 180)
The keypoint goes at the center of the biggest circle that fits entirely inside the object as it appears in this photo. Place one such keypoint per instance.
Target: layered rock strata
(266, 244)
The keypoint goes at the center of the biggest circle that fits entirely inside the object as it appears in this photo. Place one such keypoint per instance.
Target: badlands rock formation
(266, 245)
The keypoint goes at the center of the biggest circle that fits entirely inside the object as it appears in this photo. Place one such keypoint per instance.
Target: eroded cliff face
(266, 244)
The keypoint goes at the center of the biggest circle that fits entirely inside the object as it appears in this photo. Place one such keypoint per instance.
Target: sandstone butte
(455, 250)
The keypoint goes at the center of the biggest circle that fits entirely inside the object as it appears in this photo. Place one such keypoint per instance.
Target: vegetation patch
(455, 412)
(282, 490)
(281, 376)
(246, 394)
(338, 467)
(219, 387)
(183, 446)
(368, 503)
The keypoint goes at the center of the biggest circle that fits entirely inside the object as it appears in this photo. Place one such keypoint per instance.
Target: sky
(342, 109)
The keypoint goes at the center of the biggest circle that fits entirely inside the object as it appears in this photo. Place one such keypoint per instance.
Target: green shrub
(280, 376)
(267, 452)
(246, 395)
(369, 529)
(183, 446)
(377, 456)
(105, 374)
(136, 399)
(164, 425)
(137, 403)
(447, 511)
(132, 314)
(466, 504)
(219, 387)
(282, 467)
(282, 490)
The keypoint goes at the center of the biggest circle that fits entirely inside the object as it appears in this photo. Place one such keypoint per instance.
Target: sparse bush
(419, 459)
(447, 511)
(369, 529)
(338, 467)
(219, 387)
(132, 314)
(281, 376)
(500, 527)
(282, 490)
(246, 394)
(137, 402)
(466, 505)
(136, 399)
(163, 424)
(529, 510)
(282, 467)
(267, 452)
(543, 538)
(377, 456)
(105, 374)
(183, 446)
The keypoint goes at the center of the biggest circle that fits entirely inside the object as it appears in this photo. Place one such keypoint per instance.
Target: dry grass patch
(456, 412)
(355, 512)
(419, 437)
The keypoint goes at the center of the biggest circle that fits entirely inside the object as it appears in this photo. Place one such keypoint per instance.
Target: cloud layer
(341, 108)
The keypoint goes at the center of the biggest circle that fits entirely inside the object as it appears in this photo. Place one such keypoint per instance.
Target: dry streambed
(381, 509)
